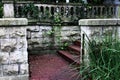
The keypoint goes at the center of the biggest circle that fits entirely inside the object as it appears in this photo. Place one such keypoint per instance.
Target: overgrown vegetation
(31, 10)
(1, 9)
(104, 56)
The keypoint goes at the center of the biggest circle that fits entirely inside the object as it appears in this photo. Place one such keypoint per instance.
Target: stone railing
(97, 29)
(13, 49)
(67, 12)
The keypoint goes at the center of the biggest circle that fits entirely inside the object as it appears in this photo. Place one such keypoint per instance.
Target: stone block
(4, 34)
(1, 71)
(8, 45)
(45, 28)
(36, 34)
(19, 77)
(13, 21)
(18, 57)
(69, 33)
(9, 70)
(17, 32)
(24, 69)
(34, 41)
(4, 58)
(69, 28)
(33, 28)
(87, 22)
(21, 45)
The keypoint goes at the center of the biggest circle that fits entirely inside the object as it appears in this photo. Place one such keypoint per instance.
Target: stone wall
(96, 29)
(43, 38)
(13, 49)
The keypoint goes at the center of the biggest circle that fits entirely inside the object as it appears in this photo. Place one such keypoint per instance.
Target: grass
(104, 57)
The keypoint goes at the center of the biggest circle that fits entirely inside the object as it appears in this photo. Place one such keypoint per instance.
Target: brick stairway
(72, 53)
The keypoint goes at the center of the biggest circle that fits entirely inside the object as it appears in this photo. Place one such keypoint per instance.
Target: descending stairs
(72, 53)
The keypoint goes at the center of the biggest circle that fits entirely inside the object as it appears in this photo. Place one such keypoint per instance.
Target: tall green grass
(104, 56)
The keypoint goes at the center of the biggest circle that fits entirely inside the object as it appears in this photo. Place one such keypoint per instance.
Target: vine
(31, 10)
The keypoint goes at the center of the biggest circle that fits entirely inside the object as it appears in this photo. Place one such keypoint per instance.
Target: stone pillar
(94, 29)
(8, 9)
(13, 49)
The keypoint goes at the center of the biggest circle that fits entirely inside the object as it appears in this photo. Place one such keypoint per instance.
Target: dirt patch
(49, 67)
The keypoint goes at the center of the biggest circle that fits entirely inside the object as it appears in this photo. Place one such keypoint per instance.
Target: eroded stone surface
(41, 37)
(87, 22)
(8, 45)
(13, 21)
(11, 69)
(20, 77)
(13, 49)
(24, 69)
(4, 58)
(18, 57)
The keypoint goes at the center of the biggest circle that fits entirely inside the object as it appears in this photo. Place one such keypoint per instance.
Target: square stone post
(8, 8)
(13, 49)
(94, 29)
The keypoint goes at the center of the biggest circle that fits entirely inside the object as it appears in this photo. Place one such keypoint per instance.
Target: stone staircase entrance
(72, 53)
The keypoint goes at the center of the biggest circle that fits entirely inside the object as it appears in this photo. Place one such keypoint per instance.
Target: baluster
(62, 11)
(110, 11)
(42, 12)
(74, 10)
(93, 12)
(103, 13)
(39, 13)
(21, 11)
(114, 11)
(52, 11)
(71, 11)
(101, 10)
(16, 11)
(88, 12)
(95, 8)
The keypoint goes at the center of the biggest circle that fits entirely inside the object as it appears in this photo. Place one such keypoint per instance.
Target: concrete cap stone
(93, 22)
(13, 21)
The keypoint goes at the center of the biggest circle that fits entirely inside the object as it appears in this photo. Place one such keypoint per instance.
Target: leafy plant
(31, 10)
(104, 56)
(95, 1)
(1, 10)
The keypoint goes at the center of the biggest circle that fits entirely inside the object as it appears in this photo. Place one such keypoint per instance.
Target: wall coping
(13, 21)
(93, 22)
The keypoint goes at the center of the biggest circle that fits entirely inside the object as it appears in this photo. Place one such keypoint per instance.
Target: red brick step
(77, 42)
(69, 57)
(74, 48)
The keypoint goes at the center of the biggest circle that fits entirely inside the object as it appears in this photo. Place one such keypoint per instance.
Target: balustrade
(67, 12)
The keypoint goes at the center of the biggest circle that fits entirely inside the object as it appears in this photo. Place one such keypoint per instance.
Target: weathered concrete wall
(42, 37)
(95, 29)
(13, 49)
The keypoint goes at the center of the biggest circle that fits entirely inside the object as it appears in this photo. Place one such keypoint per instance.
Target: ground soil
(50, 67)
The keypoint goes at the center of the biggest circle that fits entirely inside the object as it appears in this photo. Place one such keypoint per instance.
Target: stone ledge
(112, 22)
(13, 21)
(20, 77)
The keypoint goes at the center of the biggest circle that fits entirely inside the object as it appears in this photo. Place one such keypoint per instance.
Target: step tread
(70, 56)
(77, 42)
(75, 48)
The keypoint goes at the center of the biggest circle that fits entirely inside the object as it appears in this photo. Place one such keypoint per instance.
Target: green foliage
(104, 56)
(1, 10)
(30, 9)
(95, 1)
